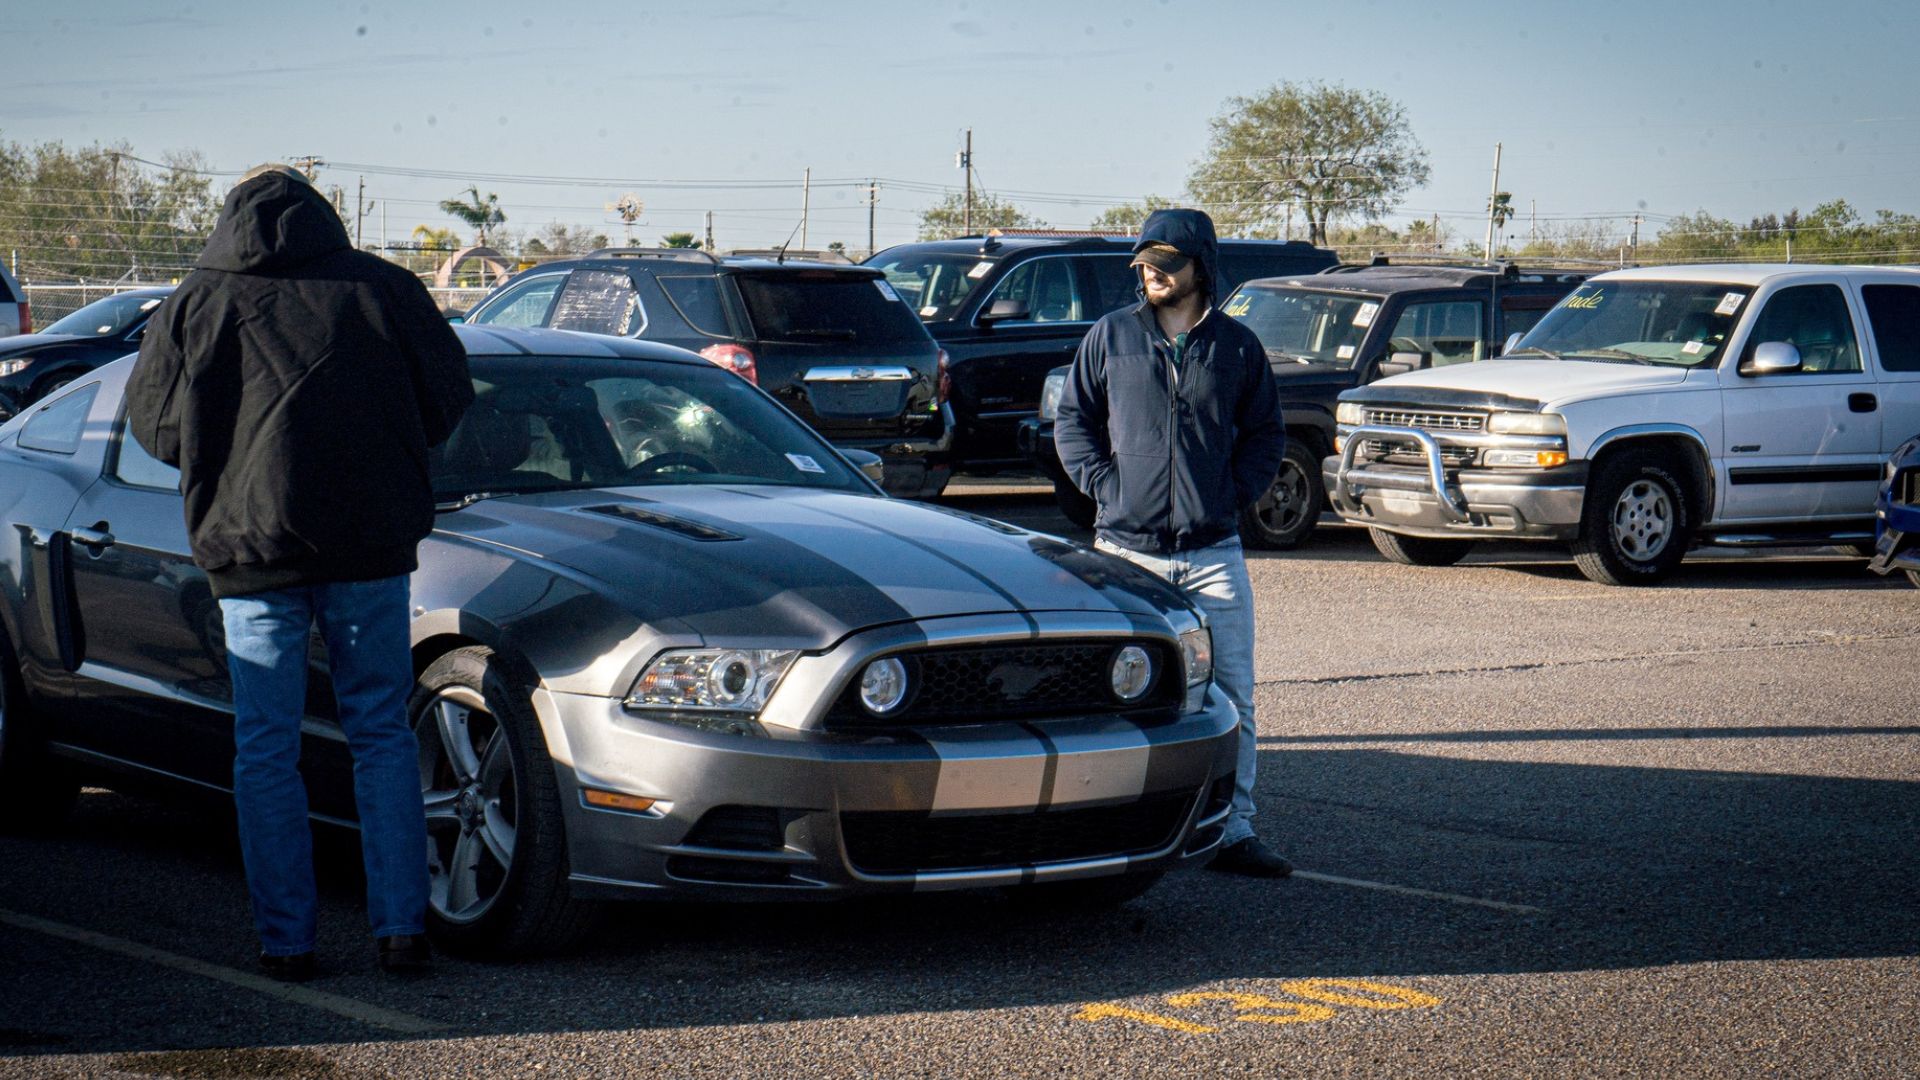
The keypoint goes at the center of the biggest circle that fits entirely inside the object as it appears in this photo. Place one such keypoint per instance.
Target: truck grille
(1408, 453)
(889, 842)
(1026, 681)
(1427, 420)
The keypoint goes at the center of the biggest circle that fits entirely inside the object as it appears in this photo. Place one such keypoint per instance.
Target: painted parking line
(352, 1009)
(1425, 894)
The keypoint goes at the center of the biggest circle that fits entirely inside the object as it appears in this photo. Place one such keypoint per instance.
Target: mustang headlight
(1527, 423)
(1056, 385)
(1350, 412)
(702, 683)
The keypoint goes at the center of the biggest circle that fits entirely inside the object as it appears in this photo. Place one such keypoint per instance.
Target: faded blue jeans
(364, 625)
(1214, 579)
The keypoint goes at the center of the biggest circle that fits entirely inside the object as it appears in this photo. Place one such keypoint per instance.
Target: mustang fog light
(1131, 673)
(883, 686)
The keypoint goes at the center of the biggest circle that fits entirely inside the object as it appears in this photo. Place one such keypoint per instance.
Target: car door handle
(1862, 402)
(95, 539)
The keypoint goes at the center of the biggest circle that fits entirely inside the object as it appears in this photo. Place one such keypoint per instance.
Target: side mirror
(1772, 358)
(1004, 309)
(1512, 340)
(456, 316)
(1402, 362)
(868, 463)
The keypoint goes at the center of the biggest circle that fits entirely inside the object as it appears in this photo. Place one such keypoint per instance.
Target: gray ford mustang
(669, 642)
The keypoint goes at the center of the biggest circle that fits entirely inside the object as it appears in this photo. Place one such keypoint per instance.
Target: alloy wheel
(472, 802)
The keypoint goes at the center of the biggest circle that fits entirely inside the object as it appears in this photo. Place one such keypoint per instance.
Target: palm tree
(481, 214)
(1500, 208)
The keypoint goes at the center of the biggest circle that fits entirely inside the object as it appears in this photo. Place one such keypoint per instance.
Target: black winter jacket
(1171, 449)
(297, 385)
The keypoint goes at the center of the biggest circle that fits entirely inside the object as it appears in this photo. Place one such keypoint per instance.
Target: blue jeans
(364, 625)
(1214, 579)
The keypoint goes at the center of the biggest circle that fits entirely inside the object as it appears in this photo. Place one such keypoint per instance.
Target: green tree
(1331, 153)
(99, 212)
(481, 215)
(679, 240)
(1127, 216)
(946, 218)
(560, 241)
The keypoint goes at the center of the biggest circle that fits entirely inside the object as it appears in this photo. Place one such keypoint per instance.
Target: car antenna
(782, 257)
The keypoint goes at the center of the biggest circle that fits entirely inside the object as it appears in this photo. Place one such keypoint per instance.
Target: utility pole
(709, 230)
(1490, 199)
(1533, 228)
(873, 200)
(806, 199)
(966, 169)
(1634, 244)
(309, 164)
(383, 228)
(360, 209)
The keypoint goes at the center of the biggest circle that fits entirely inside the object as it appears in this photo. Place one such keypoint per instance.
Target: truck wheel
(1285, 516)
(496, 841)
(1637, 522)
(36, 790)
(1419, 550)
(1074, 504)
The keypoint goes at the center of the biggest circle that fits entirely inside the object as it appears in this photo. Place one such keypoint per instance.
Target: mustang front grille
(905, 843)
(1023, 681)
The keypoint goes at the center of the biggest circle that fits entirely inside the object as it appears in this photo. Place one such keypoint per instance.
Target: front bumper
(1897, 526)
(1429, 501)
(802, 813)
(1035, 439)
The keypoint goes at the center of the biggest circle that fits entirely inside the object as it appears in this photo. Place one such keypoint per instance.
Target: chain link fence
(53, 301)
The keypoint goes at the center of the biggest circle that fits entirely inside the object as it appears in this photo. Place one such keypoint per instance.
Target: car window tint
(1116, 283)
(599, 302)
(56, 427)
(1448, 331)
(1814, 320)
(522, 304)
(1894, 312)
(1049, 288)
(1521, 320)
(827, 308)
(133, 465)
(697, 299)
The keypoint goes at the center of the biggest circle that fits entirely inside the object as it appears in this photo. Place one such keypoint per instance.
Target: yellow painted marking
(1299, 1012)
(1402, 998)
(1101, 1011)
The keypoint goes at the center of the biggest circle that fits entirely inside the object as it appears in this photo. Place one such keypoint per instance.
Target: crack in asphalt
(1540, 665)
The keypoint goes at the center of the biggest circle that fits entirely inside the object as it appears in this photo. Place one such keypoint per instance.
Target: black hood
(1190, 232)
(270, 223)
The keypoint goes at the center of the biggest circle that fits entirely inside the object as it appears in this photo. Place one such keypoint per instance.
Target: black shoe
(296, 968)
(1250, 858)
(405, 954)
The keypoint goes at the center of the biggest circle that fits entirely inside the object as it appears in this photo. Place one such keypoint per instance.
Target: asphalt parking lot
(1545, 828)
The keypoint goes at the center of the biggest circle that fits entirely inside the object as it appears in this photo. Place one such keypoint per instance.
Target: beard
(1175, 296)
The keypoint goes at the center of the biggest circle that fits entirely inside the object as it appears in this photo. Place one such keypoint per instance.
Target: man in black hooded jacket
(297, 385)
(1171, 423)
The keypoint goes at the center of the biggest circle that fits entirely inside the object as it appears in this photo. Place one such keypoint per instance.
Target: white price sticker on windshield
(1730, 303)
(1364, 317)
(805, 463)
(1692, 347)
(929, 311)
(1344, 352)
(980, 269)
(886, 290)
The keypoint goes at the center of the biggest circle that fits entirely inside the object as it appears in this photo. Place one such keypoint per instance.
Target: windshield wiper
(1548, 353)
(1615, 354)
(469, 499)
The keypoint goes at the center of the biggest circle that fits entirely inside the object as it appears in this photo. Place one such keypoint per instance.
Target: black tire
(1075, 505)
(37, 791)
(51, 384)
(1084, 895)
(471, 696)
(1638, 520)
(1287, 514)
(1419, 550)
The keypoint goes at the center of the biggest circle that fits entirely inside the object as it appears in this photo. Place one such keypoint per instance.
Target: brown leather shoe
(404, 954)
(1250, 858)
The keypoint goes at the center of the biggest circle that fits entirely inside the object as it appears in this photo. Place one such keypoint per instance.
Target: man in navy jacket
(1171, 423)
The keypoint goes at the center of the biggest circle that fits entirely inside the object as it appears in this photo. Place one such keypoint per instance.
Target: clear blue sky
(1604, 108)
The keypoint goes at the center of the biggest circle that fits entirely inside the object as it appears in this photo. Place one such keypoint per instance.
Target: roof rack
(683, 254)
(783, 254)
(1504, 267)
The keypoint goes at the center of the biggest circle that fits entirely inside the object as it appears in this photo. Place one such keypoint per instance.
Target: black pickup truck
(1335, 330)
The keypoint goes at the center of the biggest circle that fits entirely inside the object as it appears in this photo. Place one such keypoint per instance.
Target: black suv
(1009, 308)
(833, 343)
(35, 365)
(1332, 331)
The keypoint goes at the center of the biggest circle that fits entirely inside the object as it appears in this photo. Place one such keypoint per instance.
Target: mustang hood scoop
(691, 529)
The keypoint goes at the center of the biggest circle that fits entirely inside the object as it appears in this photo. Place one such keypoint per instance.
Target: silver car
(669, 642)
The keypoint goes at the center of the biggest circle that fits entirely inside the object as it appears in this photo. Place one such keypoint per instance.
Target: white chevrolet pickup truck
(1652, 410)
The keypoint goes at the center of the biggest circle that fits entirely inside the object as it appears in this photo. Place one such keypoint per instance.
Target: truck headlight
(1350, 412)
(1056, 384)
(701, 686)
(1527, 423)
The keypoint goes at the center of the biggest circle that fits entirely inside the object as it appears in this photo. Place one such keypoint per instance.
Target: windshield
(1306, 327)
(546, 424)
(934, 285)
(107, 318)
(1682, 324)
